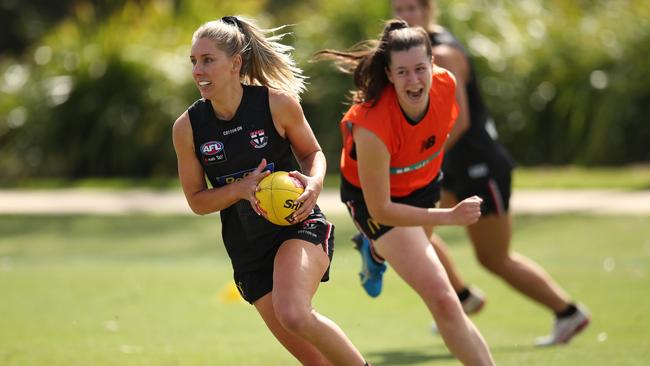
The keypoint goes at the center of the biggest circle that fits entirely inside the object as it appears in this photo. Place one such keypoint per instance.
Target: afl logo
(213, 152)
(211, 148)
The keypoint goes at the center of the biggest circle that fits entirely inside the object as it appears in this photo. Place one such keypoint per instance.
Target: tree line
(90, 89)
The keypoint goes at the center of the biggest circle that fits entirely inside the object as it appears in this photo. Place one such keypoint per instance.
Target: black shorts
(495, 191)
(425, 197)
(315, 229)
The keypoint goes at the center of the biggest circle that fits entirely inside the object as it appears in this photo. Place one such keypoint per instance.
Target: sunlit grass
(635, 177)
(144, 290)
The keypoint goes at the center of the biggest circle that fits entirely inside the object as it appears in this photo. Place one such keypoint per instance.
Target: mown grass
(147, 290)
(628, 178)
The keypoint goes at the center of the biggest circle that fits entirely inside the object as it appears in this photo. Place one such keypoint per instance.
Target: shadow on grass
(411, 356)
(424, 355)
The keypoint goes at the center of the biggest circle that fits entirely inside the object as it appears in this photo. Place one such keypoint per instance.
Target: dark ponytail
(368, 60)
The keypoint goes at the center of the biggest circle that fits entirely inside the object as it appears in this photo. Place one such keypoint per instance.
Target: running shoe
(475, 302)
(372, 273)
(566, 328)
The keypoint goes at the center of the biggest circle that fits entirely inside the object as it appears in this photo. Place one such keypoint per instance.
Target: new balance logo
(428, 143)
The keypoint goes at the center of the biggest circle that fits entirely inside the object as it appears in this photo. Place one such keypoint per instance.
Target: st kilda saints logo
(259, 139)
(213, 152)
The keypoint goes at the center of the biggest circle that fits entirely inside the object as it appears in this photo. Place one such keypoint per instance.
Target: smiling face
(212, 69)
(410, 72)
(412, 11)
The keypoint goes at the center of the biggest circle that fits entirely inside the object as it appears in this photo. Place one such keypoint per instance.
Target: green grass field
(145, 290)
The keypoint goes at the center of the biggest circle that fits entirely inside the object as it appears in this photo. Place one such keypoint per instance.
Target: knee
(295, 319)
(446, 307)
(494, 264)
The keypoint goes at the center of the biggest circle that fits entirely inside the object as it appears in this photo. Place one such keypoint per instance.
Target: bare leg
(304, 351)
(447, 199)
(457, 281)
(491, 238)
(410, 254)
(299, 267)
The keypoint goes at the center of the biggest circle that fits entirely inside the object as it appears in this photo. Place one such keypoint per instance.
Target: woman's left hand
(308, 198)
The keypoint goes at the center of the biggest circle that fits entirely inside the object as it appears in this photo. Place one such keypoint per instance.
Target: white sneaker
(566, 328)
(475, 302)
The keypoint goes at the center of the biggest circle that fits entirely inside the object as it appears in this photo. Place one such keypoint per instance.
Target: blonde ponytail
(265, 61)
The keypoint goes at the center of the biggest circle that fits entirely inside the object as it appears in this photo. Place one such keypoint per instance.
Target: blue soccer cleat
(372, 273)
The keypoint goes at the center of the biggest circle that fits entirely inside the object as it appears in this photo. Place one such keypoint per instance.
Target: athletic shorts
(425, 197)
(315, 229)
(495, 191)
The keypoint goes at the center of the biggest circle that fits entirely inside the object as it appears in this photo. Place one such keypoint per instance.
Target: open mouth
(415, 95)
(204, 83)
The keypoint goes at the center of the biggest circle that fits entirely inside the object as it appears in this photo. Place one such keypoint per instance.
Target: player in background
(393, 136)
(476, 164)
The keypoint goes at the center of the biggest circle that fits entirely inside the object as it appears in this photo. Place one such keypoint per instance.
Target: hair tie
(232, 20)
(395, 25)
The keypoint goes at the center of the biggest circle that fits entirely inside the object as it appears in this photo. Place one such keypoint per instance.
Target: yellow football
(277, 196)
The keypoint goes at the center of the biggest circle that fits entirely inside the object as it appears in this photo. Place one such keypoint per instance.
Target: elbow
(198, 211)
(197, 208)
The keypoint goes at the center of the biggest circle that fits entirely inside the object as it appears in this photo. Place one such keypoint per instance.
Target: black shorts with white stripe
(315, 229)
(352, 197)
(495, 191)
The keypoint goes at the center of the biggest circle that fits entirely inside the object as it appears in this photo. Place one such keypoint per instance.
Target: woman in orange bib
(477, 164)
(393, 137)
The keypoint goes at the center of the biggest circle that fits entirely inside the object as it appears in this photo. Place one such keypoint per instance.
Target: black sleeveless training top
(228, 150)
(478, 144)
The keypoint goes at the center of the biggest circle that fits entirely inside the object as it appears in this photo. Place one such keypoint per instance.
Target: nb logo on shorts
(240, 287)
(373, 225)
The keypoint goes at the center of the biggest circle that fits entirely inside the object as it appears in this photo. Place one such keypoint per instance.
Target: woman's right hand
(467, 212)
(248, 186)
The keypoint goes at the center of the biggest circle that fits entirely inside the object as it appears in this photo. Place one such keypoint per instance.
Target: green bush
(96, 95)
(565, 81)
